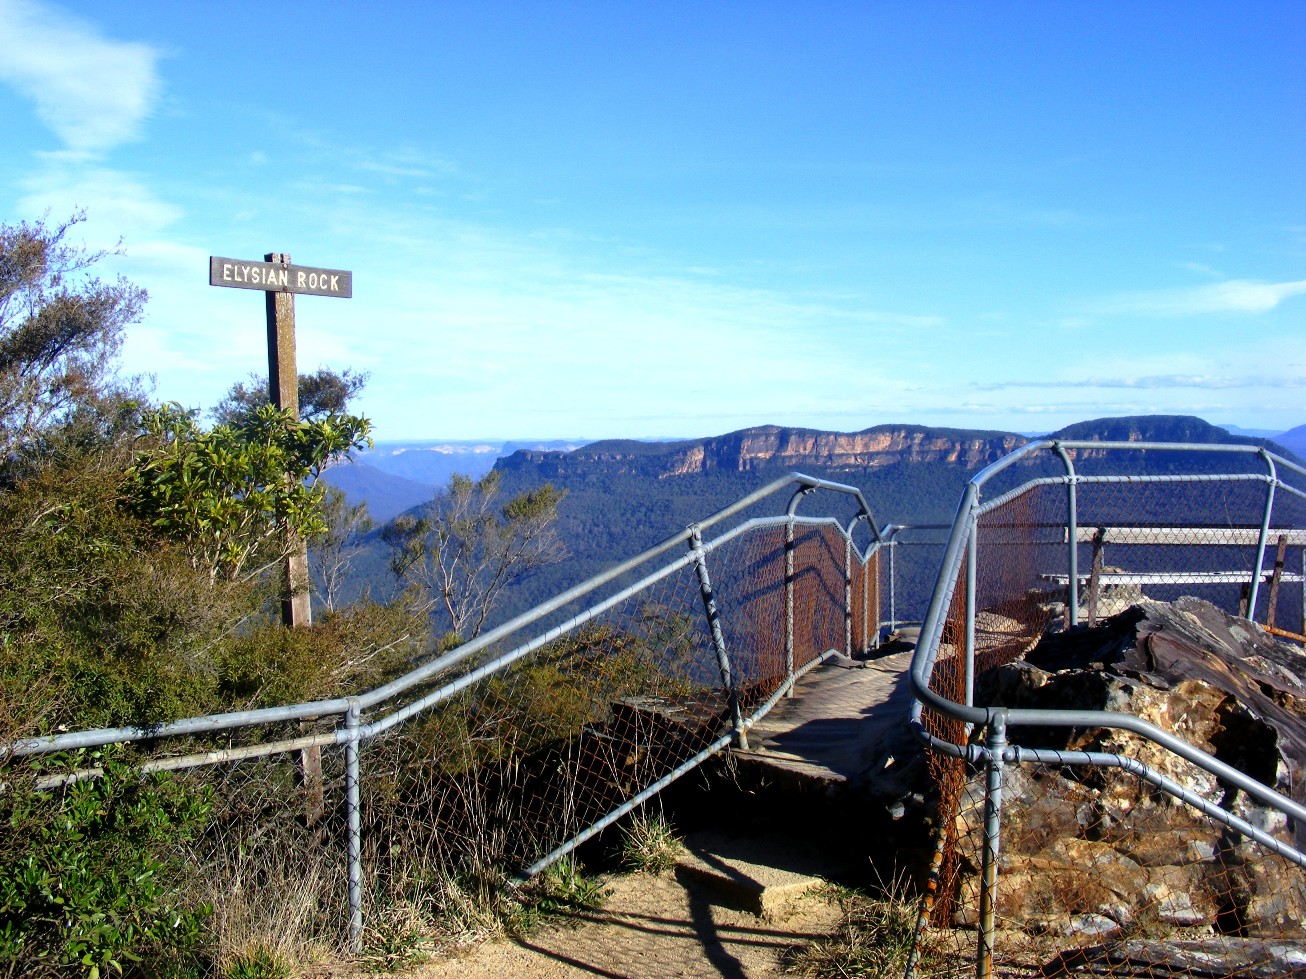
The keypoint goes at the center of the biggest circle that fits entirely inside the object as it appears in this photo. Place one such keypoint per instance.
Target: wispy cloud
(91, 91)
(1200, 268)
(408, 163)
(120, 204)
(1230, 296)
(1155, 382)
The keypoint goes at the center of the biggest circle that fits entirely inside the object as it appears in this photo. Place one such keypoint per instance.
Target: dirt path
(650, 928)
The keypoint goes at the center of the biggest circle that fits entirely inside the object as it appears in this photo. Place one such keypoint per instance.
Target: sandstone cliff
(772, 446)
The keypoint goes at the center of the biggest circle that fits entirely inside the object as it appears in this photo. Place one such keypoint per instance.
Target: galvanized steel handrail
(352, 728)
(340, 706)
(962, 537)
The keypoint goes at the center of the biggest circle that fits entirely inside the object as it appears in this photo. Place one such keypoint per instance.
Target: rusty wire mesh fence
(909, 565)
(490, 762)
(1109, 853)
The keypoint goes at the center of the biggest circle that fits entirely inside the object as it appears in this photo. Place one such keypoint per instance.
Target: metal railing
(1028, 555)
(519, 745)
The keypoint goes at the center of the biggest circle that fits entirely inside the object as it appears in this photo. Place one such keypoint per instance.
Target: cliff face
(771, 446)
(804, 449)
(788, 448)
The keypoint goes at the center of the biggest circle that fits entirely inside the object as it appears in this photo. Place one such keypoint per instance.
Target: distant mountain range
(396, 476)
(624, 495)
(1294, 440)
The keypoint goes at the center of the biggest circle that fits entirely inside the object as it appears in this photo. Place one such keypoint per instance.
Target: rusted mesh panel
(748, 575)
(1162, 541)
(907, 576)
(518, 763)
(1019, 544)
(267, 834)
(1015, 540)
(949, 774)
(819, 598)
(866, 602)
(1101, 874)
(272, 853)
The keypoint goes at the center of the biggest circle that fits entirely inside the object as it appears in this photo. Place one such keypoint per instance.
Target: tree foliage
(60, 331)
(321, 394)
(469, 546)
(333, 552)
(233, 495)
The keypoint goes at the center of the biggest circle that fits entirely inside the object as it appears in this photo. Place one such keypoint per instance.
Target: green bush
(92, 875)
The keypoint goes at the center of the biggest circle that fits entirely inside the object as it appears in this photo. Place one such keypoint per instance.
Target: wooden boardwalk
(846, 726)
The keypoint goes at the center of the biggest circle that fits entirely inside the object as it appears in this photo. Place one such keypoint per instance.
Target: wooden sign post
(279, 281)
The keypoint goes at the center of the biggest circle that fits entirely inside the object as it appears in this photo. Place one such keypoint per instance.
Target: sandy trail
(650, 928)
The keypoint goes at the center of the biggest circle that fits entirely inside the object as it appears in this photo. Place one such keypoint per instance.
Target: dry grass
(874, 940)
(650, 845)
(272, 907)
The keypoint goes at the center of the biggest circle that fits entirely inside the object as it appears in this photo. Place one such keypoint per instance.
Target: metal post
(893, 605)
(1260, 544)
(718, 637)
(1072, 529)
(927, 903)
(972, 553)
(996, 743)
(354, 819)
(789, 605)
(848, 597)
(866, 606)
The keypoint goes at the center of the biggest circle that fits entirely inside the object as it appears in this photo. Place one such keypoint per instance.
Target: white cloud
(91, 91)
(118, 204)
(1209, 382)
(1231, 296)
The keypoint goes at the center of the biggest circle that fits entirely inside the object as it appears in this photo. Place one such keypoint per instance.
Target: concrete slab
(764, 875)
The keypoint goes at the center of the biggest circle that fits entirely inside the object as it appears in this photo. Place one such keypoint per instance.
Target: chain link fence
(1105, 806)
(494, 760)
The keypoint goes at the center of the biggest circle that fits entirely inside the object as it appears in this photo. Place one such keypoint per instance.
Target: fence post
(718, 637)
(1072, 530)
(1280, 554)
(995, 745)
(1265, 533)
(1095, 576)
(789, 604)
(893, 573)
(972, 555)
(866, 606)
(848, 597)
(354, 820)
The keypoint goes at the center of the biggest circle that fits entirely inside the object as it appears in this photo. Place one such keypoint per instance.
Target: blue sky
(654, 219)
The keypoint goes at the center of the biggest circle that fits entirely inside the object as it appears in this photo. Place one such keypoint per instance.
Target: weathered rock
(1087, 844)
(1222, 956)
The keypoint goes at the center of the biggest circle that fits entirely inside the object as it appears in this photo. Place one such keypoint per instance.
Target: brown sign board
(235, 273)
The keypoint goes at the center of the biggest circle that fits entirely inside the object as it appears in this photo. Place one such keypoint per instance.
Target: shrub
(92, 874)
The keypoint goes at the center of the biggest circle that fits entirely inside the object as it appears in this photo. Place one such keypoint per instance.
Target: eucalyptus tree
(470, 544)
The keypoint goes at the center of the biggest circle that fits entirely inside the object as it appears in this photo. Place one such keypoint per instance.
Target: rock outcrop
(773, 446)
(784, 448)
(1098, 852)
